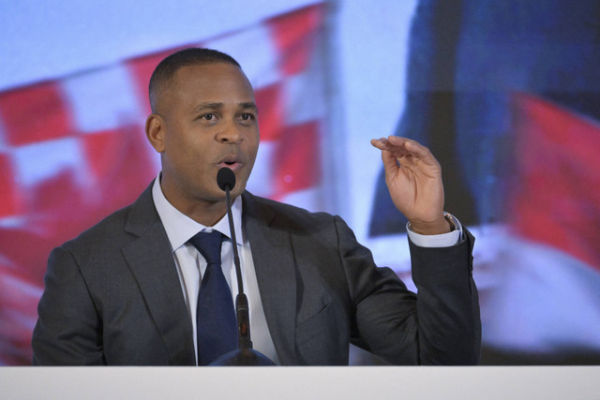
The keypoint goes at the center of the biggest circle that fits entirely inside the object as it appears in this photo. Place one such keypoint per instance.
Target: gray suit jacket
(113, 296)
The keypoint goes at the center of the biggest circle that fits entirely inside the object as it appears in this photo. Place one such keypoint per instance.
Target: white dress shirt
(191, 264)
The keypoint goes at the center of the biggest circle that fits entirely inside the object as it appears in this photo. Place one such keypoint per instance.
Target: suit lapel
(151, 262)
(275, 272)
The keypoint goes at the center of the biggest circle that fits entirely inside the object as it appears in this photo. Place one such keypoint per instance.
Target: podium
(370, 383)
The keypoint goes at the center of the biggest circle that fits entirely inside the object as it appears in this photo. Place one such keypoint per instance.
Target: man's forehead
(214, 76)
(199, 85)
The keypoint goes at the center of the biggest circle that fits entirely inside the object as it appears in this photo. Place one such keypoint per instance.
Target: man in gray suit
(125, 291)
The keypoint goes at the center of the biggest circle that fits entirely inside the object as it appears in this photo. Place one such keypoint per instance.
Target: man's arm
(442, 324)
(438, 326)
(68, 330)
(447, 303)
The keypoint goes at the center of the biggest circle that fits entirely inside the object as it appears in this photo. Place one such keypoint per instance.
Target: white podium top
(439, 383)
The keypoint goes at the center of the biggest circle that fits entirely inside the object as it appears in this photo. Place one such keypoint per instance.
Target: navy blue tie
(215, 315)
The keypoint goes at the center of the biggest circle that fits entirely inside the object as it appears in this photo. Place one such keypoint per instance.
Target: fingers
(389, 159)
(401, 147)
(379, 143)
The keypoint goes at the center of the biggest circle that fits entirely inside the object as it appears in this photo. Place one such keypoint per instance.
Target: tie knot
(209, 245)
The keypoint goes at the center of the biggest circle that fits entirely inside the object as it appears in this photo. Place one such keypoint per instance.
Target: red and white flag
(546, 297)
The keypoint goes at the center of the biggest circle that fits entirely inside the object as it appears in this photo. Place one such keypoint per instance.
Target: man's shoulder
(283, 213)
(112, 231)
(108, 230)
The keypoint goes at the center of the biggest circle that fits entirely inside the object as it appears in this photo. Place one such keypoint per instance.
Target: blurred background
(506, 93)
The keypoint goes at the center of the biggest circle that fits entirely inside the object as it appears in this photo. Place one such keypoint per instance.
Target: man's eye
(208, 116)
(247, 116)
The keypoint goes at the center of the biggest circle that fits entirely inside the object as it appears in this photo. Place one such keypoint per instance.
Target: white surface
(489, 383)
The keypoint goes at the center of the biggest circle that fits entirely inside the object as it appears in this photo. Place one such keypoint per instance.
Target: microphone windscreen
(226, 178)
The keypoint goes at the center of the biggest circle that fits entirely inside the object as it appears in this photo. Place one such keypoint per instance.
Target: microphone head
(226, 179)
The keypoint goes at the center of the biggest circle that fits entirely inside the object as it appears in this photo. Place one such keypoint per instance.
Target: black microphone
(245, 354)
(226, 180)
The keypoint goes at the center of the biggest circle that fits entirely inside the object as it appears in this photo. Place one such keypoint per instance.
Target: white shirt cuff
(441, 240)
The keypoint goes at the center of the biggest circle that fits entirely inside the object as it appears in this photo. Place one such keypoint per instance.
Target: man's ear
(155, 132)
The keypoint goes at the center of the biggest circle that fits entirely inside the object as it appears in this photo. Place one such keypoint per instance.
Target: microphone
(245, 354)
(226, 180)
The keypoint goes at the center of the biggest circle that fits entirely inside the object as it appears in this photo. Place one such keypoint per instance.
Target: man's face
(208, 120)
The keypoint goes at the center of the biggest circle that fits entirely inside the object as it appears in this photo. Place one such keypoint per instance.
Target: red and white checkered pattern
(73, 150)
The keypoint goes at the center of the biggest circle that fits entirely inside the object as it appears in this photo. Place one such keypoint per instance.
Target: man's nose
(230, 133)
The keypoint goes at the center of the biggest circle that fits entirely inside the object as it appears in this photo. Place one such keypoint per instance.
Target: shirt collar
(180, 228)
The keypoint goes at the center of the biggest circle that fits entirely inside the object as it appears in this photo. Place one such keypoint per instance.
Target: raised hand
(414, 180)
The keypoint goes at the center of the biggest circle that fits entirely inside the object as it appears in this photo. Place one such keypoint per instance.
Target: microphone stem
(241, 301)
(236, 257)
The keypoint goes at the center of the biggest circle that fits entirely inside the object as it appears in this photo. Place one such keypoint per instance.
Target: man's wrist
(437, 227)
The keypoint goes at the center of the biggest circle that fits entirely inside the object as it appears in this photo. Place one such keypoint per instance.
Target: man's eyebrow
(249, 104)
(216, 105)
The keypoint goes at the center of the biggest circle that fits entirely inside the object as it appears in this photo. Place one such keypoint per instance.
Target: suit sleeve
(68, 330)
(438, 326)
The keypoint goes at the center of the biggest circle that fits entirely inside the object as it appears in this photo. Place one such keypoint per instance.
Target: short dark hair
(165, 70)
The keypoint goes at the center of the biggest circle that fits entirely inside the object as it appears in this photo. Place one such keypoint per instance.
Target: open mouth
(230, 162)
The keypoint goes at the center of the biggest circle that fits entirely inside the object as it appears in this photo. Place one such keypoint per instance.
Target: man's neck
(206, 214)
(202, 211)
